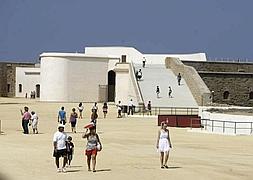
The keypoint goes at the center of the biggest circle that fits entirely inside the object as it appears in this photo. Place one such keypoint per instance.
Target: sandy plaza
(128, 148)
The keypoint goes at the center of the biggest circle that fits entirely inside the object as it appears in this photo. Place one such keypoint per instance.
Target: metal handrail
(132, 69)
(142, 110)
(235, 127)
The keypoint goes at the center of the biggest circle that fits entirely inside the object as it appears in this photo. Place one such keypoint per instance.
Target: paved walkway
(157, 75)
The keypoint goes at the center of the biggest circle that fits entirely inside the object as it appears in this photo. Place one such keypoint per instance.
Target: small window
(225, 95)
(20, 88)
(8, 88)
(251, 95)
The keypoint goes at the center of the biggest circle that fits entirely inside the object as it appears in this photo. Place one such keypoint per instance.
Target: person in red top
(26, 116)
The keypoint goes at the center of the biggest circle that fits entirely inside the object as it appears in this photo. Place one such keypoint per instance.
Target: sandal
(167, 167)
(162, 167)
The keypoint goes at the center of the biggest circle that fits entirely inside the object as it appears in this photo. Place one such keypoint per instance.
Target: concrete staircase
(157, 75)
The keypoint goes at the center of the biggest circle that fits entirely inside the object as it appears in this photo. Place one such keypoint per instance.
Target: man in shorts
(60, 149)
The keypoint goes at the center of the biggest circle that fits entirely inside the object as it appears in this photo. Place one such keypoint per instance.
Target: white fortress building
(106, 74)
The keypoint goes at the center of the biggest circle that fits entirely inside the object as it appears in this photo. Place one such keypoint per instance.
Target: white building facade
(100, 74)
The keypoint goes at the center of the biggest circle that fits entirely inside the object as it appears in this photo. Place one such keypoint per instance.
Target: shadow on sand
(103, 170)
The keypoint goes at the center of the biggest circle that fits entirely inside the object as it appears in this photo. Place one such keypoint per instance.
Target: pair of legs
(81, 114)
(130, 110)
(57, 162)
(73, 127)
(91, 157)
(164, 159)
(119, 114)
(170, 95)
(105, 112)
(69, 158)
(157, 94)
(25, 126)
(35, 131)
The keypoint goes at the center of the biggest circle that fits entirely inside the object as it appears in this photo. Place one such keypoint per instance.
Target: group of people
(179, 78)
(29, 119)
(74, 116)
(64, 147)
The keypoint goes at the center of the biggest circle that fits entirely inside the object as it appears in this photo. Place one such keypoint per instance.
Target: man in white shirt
(130, 107)
(60, 149)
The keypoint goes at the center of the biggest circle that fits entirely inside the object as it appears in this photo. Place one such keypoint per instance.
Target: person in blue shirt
(62, 116)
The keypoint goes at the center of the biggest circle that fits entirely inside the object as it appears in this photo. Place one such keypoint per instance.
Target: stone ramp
(157, 75)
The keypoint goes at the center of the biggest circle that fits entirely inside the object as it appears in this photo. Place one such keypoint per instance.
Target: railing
(142, 110)
(136, 84)
(228, 127)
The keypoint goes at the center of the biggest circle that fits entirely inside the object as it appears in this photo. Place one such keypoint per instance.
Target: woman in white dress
(164, 145)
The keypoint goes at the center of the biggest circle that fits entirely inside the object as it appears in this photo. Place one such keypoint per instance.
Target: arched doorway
(111, 86)
(37, 90)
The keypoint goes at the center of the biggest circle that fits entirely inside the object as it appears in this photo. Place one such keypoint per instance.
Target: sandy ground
(128, 149)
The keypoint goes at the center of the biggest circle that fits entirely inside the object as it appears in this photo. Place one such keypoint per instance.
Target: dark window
(20, 88)
(8, 88)
(251, 95)
(225, 95)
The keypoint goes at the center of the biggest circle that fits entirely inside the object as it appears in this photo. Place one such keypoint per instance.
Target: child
(34, 120)
(70, 150)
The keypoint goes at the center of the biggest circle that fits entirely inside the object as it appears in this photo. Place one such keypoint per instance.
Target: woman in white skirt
(163, 145)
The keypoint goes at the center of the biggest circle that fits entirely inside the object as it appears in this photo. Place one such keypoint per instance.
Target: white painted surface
(28, 78)
(226, 123)
(160, 58)
(157, 75)
(72, 77)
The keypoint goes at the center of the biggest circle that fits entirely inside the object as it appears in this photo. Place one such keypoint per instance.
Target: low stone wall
(198, 88)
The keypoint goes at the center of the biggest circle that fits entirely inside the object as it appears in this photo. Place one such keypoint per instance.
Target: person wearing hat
(93, 146)
(60, 149)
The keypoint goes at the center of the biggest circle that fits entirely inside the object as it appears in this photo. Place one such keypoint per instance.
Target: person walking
(80, 109)
(143, 62)
(119, 108)
(62, 116)
(60, 149)
(105, 109)
(179, 77)
(35, 120)
(73, 119)
(95, 108)
(94, 117)
(26, 116)
(139, 75)
(157, 91)
(93, 146)
(170, 92)
(163, 145)
(130, 107)
(70, 150)
(149, 108)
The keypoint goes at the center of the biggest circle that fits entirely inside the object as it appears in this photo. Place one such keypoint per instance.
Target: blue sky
(221, 28)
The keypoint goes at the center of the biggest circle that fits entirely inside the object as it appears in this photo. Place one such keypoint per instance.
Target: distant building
(8, 77)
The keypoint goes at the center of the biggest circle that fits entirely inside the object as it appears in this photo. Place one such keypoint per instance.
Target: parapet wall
(198, 88)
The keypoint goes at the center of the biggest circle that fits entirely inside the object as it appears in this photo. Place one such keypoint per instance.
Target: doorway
(111, 86)
(37, 90)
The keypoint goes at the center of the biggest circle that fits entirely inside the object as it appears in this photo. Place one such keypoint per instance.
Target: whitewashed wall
(28, 78)
(72, 77)
(131, 53)
(160, 58)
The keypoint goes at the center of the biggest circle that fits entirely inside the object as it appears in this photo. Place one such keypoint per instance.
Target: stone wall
(198, 88)
(8, 77)
(221, 77)
(220, 66)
